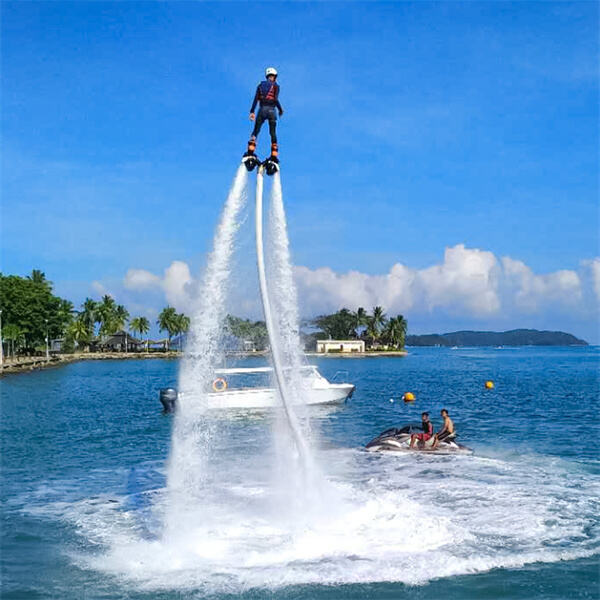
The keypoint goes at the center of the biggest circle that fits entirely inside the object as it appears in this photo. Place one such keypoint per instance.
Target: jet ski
(398, 440)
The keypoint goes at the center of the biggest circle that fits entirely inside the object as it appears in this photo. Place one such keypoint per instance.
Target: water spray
(190, 444)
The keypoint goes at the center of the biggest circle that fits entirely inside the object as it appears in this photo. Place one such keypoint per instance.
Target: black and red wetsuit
(267, 94)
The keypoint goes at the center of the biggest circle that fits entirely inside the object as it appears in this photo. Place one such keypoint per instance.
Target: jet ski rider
(267, 96)
(446, 431)
(427, 431)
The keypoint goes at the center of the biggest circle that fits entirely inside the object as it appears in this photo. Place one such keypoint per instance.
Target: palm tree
(121, 316)
(38, 276)
(361, 318)
(106, 315)
(167, 321)
(338, 326)
(375, 324)
(13, 334)
(89, 315)
(65, 313)
(402, 325)
(395, 331)
(107, 303)
(139, 325)
(182, 325)
(372, 331)
(378, 319)
(378, 316)
(79, 332)
(120, 320)
(390, 333)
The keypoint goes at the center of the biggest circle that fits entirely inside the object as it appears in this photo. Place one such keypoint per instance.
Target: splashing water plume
(296, 483)
(192, 430)
(305, 484)
(283, 288)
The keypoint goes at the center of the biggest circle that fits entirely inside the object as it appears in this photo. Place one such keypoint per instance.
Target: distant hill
(516, 337)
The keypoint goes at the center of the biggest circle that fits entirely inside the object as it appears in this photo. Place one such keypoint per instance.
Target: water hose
(273, 339)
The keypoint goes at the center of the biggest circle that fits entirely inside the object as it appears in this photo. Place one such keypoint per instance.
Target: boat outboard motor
(168, 398)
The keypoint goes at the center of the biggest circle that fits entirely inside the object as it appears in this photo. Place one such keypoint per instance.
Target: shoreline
(39, 363)
(375, 353)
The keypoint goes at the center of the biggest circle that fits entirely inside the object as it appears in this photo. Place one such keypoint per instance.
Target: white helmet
(271, 71)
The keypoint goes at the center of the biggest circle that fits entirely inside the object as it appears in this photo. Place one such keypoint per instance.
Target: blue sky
(409, 128)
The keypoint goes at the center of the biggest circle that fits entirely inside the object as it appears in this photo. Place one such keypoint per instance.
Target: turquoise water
(84, 451)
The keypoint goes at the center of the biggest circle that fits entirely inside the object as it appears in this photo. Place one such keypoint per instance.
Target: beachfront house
(55, 346)
(249, 346)
(121, 341)
(325, 346)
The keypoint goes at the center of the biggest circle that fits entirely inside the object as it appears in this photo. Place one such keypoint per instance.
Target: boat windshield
(254, 377)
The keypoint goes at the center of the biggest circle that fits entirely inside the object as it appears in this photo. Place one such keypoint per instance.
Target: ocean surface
(84, 461)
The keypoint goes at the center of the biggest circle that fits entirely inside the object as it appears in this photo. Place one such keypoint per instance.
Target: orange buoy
(489, 385)
(408, 397)
(219, 384)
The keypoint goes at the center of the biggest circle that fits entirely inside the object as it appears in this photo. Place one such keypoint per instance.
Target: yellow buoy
(408, 397)
(489, 384)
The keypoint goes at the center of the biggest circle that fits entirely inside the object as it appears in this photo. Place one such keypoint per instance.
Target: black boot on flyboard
(271, 165)
(250, 160)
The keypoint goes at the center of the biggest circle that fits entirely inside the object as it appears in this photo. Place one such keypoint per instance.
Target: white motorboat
(245, 387)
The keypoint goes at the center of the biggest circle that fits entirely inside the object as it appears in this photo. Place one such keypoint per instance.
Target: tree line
(246, 330)
(30, 312)
(106, 317)
(376, 329)
(32, 315)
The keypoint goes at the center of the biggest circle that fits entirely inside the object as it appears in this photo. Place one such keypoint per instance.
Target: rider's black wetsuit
(267, 94)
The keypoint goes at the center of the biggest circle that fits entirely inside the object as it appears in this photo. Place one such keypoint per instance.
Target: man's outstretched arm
(277, 104)
(254, 102)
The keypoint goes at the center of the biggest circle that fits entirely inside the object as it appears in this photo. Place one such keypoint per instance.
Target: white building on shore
(325, 346)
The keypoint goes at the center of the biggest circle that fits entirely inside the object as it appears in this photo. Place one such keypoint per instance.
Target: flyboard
(251, 161)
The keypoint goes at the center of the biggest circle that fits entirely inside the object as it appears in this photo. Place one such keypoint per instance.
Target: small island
(514, 337)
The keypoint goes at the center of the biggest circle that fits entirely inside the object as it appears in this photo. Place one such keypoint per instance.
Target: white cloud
(531, 292)
(469, 284)
(466, 282)
(99, 288)
(174, 283)
(140, 279)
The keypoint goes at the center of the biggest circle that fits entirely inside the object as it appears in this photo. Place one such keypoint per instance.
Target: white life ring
(219, 385)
